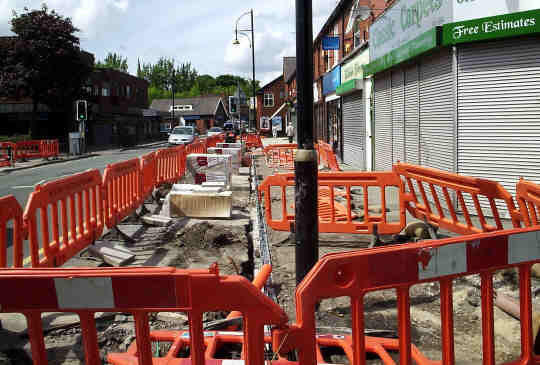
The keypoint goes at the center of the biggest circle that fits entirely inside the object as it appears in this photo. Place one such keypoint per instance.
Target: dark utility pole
(172, 90)
(305, 164)
(254, 125)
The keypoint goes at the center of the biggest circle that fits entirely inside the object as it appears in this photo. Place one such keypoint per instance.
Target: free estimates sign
(408, 19)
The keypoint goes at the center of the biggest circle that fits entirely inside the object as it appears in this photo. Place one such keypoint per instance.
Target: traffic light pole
(305, 164)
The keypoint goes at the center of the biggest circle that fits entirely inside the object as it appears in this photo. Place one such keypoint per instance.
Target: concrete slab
(200, 204)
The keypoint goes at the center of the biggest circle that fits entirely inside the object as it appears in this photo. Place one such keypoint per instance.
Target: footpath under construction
(422, 267)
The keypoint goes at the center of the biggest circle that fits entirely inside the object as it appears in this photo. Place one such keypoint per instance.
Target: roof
(261, 90)
(341, 6)
(289, 67)
(202, 105)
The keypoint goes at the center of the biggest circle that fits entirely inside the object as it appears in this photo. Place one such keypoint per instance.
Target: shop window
(268, 100)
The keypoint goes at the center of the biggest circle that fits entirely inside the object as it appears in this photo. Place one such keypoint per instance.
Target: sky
(200, 32)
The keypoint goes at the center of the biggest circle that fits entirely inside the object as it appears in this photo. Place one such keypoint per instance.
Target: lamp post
(172, 91)
(252, 46)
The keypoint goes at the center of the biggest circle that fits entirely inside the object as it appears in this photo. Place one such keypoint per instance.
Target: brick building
(271, 104)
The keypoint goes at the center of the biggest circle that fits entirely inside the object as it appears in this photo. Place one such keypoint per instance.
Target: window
(128, 91)
(96, 91)
(268, 100)
(105, 91)
(281, 94)
(336, 52)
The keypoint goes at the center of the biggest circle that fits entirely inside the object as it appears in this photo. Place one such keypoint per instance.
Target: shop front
(355, 112)
(334, 126)
(462, 97)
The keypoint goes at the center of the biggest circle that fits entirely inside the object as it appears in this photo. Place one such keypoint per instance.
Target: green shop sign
(425, 42)
(501, 26)
(354, 68)
(349, 87)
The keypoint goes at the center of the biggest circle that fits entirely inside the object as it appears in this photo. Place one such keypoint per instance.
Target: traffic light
(233, 106)
(82, 111)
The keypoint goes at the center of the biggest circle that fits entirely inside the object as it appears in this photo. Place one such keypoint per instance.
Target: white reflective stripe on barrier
(523, 247)
(79, 293)
(445, 260)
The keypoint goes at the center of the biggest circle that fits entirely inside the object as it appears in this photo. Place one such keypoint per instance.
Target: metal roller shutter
(398, 122)
(437, 111)
(383, 123)
(499, 111)
(354, 131)
(412, 124)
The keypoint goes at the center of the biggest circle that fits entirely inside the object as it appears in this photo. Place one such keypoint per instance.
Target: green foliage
(114, 61)
(43, 61)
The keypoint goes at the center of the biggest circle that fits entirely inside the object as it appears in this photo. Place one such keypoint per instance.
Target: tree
(44, 61)
(114, 61)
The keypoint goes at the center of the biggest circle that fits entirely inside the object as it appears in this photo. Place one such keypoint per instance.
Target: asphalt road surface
(21, 183)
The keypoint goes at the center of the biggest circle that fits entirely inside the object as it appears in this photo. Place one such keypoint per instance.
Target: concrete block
(200, 204)
(156, 220)
(243, 171)
(211, 167)
(236, 154)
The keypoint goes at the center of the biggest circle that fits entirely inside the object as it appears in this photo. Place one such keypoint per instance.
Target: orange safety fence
(49, 148)
(28, 149)
(400, 267)
(148, 174)
(167, 165)
(214, 140)
(327, 156)
(8, 153)
(429, 196)
(528, 198)
(11, 211)
(252, 140)
(72, 208)
(122, 190)
(197, 146)
(338, 193)
(280, 156)
(139, 291)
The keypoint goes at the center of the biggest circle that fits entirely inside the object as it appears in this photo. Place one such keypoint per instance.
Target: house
(341, 111)
(118, 109)
(271, 105)
(203, 112)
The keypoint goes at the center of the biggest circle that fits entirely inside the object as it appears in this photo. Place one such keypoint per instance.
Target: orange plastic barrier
(197, 146)
(439, 209)
(72, 208)
(336, 216)
(168, 167)
(328, 157)
(148, 174)
(280, 156)
(11, 211)
(214, 140)
(528, 198)
(252, 140)
(122, 190)
(215, 341)
(399, 267)
(139, 291)
(28, 149)
(8, 154)
(49, 148)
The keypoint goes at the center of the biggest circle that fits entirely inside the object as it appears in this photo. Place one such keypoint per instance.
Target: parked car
(182, 135)
(214, 131)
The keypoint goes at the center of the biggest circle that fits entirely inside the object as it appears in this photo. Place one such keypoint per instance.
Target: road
(21, 183)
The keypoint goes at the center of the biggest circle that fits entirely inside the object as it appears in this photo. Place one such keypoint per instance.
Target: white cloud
(200, 32)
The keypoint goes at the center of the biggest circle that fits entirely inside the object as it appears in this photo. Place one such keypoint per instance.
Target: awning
(277, 111)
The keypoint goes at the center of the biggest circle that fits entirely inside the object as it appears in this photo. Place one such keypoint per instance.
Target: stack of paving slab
(236, 154)
(232, 145)
(211, 168)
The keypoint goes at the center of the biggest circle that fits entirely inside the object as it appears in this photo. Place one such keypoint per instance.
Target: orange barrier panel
(122, 190)
(214, 341)
(252, 140)
(11, 211)
(399, 267)
(72, 208)
(8, 153)
(49, 148)
(28, 149)
(139, 291)
(528, 198)
(168, 167)
(338, 217)
(442, 185)
(148, 174)
(280, 156)
(328, 157)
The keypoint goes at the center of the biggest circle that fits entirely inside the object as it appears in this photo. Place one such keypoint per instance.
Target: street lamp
(236, 42)
(172, 91)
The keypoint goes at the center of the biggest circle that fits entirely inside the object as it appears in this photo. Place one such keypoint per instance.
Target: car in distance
(214, 131)
(182, 135)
